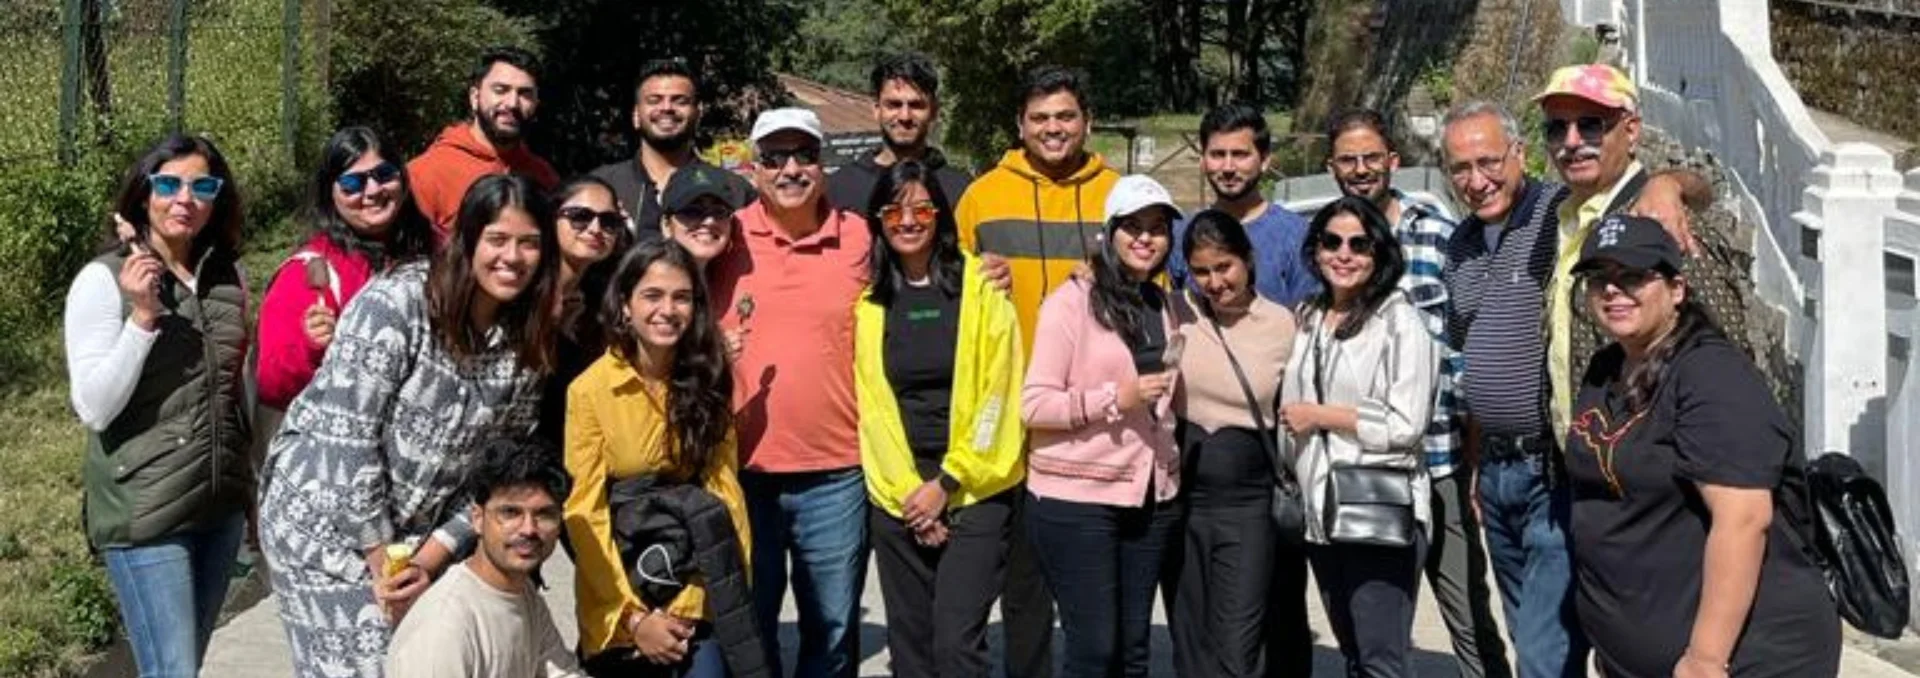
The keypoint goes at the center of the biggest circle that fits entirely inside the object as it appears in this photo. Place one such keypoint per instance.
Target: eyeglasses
(1625, 279)
(204, 188)
(579, 218)
(1358, 244)
(353, 183)
(546, 519)
(776, 159)
(895, 215)
(1593, 129)
(1489, 167)
(1353, 161)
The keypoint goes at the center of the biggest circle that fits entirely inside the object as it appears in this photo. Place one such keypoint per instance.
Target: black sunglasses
(579, 218)
(1623, 278)
(352, 183)
(1593, 129)
(773, 160)
(1357, 244)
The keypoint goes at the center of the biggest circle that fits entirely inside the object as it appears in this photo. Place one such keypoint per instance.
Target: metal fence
(115, 74)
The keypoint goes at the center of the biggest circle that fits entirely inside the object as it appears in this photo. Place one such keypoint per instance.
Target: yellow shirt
(1576, 222)
(616, 429)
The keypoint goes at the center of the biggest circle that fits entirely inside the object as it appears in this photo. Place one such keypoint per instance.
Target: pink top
(1084, 448)
(793, 382)
(287, 358)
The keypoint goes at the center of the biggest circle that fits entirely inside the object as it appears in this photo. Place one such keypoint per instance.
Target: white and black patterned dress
(371, 453)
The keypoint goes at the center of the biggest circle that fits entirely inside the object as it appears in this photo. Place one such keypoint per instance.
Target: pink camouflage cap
(1599, 83)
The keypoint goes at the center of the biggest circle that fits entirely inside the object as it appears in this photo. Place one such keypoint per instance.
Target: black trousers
(1369, 592)
(1289, 637)
(938, 598)
(1103, 564)
(1026, 608)
(1224, 566)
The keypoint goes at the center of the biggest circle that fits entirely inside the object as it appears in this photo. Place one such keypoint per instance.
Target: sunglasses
(773, 160)
(580, 218)
(204, 189)
(1358, 244)
(1624, 279)
(895, 215)
(694, 214)
(353, 183)
(1593, 129)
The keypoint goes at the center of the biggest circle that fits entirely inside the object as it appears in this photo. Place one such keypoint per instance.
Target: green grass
(1170, 132)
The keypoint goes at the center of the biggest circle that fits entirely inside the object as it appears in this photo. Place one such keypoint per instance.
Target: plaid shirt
(1424, 230)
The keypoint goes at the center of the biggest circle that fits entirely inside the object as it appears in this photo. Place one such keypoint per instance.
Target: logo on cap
(1610, 232)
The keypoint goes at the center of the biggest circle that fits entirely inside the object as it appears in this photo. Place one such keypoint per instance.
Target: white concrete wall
(1903, 417)
(1590, 12)
(1848, 199)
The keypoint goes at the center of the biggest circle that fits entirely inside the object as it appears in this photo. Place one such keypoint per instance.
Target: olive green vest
(176, 456)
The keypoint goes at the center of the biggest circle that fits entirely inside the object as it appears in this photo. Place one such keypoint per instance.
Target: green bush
(86, 602)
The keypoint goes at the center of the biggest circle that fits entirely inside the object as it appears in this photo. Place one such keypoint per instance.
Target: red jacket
(287, 358)
(456, 159)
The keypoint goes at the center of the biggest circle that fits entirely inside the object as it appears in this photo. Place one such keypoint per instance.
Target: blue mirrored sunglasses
(204, 189)
(352, 183)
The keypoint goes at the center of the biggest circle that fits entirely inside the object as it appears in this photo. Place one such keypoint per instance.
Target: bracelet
(1688, 655)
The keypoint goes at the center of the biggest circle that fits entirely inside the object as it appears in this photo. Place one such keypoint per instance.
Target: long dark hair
(224, 224)
(582, 323)
(947, 265)
(1118, 300)
(1214, 228)
(700, 382)
(528, 320)
(1643, 381)
(1389, 262)
(409, 237)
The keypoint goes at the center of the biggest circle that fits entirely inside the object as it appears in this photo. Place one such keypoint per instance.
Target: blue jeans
(1103, 564)
(170, 593)
(1527, 543)
(821, 519)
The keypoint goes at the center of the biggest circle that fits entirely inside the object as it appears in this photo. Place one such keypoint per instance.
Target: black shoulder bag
(1289, 513)
(1366, 505)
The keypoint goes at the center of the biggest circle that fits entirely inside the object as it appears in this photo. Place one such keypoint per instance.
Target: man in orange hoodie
(503, 96)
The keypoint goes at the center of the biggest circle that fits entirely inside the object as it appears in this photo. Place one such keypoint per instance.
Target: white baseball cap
(1136, 192)
(782, 119)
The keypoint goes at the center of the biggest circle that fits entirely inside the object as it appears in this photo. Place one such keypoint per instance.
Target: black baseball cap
(697, 179)
(1634, 242)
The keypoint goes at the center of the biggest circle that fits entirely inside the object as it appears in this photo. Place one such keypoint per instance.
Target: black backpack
(1853, 540)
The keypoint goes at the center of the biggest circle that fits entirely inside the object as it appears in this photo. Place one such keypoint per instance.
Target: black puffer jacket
(668, 532)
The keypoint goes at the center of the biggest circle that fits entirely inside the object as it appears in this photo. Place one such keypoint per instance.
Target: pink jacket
(287, 358)
(1084, 448)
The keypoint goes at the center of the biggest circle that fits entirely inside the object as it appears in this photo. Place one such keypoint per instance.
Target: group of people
(1048, 385)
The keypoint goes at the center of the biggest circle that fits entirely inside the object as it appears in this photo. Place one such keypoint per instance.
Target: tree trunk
(1339, 38)
(93, 48)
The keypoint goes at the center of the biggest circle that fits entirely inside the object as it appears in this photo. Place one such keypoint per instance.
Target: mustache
(788, 181)
(524, 543)
(1576, 153)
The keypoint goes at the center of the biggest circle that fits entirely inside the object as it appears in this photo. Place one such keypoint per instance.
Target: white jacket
(1387, 372)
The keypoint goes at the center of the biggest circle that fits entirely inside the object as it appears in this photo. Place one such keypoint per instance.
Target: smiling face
(905, 114)
(519, 526)
(666, 111)
(503, 102)
(371, 211)
(660, 307)
(1222, 276)
(1484, 166)
(704, 228)
(908, 223)
(1142, 239)
(799, 181)
(1053, 128)
(506, 256)
(585, 246)
(1362, 163)
(1635, 306)
(1232, 164)
(1590, 165)
(180, 216)
(1346, 269)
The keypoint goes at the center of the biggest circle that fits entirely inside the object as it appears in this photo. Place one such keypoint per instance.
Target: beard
(1247, 187)
(904, 140)
(669, 142)
(493, 132)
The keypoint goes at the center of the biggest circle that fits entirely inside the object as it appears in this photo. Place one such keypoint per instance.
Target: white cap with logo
(783, 119)
(1136, 192)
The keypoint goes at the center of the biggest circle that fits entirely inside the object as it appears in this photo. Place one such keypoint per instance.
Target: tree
(402, 68)
(839, 40)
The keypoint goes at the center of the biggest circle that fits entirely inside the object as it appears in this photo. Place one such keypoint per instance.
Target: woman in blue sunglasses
(156, 334)
(364, 222)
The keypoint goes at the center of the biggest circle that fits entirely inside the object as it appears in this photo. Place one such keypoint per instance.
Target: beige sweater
(1210, 395)
(463, 627)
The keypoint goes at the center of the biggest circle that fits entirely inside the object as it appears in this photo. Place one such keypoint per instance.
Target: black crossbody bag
(1365, 505)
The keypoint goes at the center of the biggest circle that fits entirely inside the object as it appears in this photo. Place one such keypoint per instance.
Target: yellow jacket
(616, 429)
(985, 440)
(1042, 226)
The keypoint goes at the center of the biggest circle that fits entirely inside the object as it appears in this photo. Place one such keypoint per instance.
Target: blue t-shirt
(1280, 272)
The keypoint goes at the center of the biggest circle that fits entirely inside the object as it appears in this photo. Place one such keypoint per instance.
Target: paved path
(251, 644)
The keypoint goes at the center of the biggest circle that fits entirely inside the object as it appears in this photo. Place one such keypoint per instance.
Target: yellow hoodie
(1043, 227)
(984, 437)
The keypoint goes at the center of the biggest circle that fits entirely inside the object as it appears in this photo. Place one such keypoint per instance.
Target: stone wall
(1856, 63)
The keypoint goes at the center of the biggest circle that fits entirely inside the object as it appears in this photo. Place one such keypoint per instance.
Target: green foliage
(839, 41)
(402, 67)
(86, 602)
(51, 222)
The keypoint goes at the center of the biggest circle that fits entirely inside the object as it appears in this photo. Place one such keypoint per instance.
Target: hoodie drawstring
(1040, 234)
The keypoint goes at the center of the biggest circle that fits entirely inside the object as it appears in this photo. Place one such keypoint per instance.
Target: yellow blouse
(616, 429)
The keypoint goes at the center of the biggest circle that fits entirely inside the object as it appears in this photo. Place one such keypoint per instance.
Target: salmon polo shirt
(793, 382)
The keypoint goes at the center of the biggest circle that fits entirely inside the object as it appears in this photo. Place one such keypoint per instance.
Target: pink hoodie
(1084, 448)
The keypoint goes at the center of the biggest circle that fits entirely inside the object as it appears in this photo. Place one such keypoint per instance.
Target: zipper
(209, 376)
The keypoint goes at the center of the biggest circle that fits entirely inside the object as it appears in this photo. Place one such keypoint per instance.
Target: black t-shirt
(1639, 525)
(923, 328)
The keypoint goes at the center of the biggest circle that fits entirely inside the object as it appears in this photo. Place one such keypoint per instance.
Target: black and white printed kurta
(371, 453)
